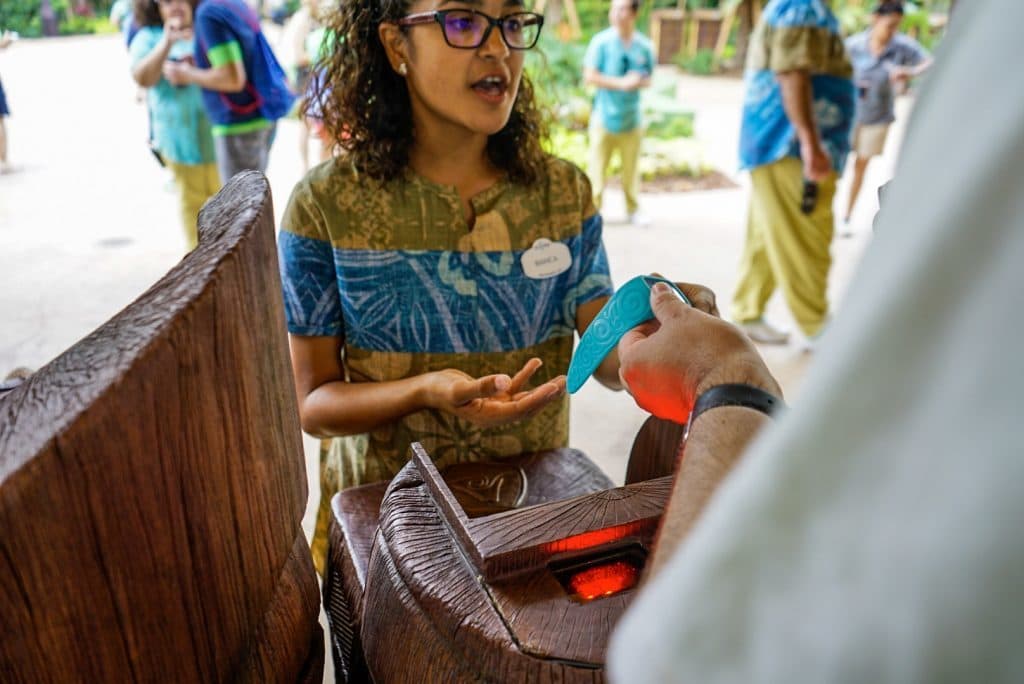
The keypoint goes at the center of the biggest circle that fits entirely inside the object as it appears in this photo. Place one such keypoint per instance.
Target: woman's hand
(175, 30)
(493, 399)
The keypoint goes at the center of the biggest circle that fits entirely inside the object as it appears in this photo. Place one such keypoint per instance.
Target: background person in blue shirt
(619, 61)
(797, 116)
(884, 60)
(244, 87)
(179, 127)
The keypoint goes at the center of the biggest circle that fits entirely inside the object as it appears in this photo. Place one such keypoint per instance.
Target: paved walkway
(89, 221)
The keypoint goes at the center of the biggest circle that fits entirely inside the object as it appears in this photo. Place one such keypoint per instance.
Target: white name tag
(546, 259)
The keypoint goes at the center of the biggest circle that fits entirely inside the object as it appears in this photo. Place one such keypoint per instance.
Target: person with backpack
(179, 129)
(245, 90)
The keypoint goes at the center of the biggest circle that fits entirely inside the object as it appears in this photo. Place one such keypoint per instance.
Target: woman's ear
(393, 40)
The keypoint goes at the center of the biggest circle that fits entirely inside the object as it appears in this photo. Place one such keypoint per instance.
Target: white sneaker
(639, 220)
(809, 343)
(760, 331)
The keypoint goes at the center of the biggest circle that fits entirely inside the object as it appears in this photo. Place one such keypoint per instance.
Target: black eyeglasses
(469, 29)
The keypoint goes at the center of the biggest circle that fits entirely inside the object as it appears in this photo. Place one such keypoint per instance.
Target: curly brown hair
(147, 13)
(365, 104)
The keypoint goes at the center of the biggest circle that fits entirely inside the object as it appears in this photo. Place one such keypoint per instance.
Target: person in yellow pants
(196, 184)
(786, 248)
(181, 132)
(797, 117)
(603, 143)
(618, 62)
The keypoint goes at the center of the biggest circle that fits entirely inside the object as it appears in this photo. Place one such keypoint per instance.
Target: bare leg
(860, 164)
(3, 147)
(304, 143)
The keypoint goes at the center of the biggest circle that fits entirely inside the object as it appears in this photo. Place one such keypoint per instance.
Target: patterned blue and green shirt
(396, 272)
(796, 35)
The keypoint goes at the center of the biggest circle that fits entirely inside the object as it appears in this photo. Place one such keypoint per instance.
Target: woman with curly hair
(441, 265)
(180, 129)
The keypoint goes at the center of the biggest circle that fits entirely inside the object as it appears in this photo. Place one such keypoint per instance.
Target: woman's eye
(461, 24)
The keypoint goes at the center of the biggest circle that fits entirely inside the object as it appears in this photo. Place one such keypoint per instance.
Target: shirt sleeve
(594, 277)
(216, 38)
(592, 57)
(796, 40)
(650, 57)
(142, 44)
(912, 53)
(312, 303)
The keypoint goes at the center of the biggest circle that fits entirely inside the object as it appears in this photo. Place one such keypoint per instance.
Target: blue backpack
(265, 83)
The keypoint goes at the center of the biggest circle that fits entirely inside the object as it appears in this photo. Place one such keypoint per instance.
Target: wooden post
(555, 16)
(724, 29)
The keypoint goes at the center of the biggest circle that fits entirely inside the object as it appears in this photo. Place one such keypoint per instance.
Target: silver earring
(402, 69)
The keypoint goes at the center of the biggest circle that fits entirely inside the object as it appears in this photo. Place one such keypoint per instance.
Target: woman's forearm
(347, 408)
(148, 71)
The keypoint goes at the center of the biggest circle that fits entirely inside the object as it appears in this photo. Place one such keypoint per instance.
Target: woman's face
(453, 90)
(177, 12)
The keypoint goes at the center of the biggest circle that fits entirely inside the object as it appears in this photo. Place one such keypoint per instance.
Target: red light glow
(604, 580)
(593, 539)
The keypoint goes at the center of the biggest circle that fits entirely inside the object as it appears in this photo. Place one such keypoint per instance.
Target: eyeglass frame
(438, 16)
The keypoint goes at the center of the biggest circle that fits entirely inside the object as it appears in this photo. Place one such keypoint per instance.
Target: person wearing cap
(884, 61)
(795, 136)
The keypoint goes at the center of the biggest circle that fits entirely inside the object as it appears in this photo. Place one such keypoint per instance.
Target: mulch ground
(714, 180)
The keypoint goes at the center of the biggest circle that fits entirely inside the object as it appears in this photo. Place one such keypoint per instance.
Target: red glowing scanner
(568, 537)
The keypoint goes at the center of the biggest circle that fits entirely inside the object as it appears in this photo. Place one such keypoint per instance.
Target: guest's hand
(177, 73)
(668, 362)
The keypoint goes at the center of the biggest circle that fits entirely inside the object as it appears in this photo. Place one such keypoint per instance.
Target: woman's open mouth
(491, 88)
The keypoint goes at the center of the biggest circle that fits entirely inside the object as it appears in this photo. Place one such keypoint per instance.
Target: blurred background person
(795, 136)
(619, 62)
(180, 129)
(884, 61)
(302, 42)
(245, 90)
(6, 38)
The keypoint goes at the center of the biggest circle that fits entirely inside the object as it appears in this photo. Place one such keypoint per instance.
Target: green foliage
(855, 17)
(671, 125)
(24, 17)
(700, 64)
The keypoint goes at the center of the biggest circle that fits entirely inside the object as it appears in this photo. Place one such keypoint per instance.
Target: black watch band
(746, 396)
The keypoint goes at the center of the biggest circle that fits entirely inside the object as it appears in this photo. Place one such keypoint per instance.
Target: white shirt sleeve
(876, 532)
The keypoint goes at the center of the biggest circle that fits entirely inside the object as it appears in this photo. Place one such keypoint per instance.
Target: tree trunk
(746, 26)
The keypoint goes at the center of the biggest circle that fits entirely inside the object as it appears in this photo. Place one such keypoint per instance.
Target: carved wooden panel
(656, 450)
(410, 601)
(152, 483)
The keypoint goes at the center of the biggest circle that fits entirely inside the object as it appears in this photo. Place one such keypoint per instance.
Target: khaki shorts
(869, 141)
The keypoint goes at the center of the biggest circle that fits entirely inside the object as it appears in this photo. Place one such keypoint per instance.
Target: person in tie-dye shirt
(435, 275)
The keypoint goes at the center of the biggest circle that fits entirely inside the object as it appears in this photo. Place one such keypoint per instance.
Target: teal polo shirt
(618, 111)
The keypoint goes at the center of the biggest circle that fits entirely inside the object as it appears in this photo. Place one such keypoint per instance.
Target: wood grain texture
(152, 482)
(525, 540)
(656, 450)
(427, 616)
(350, 540)
(549, 474)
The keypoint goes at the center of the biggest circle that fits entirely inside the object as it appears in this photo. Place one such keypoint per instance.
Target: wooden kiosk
(514, 571)
(152, 483)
